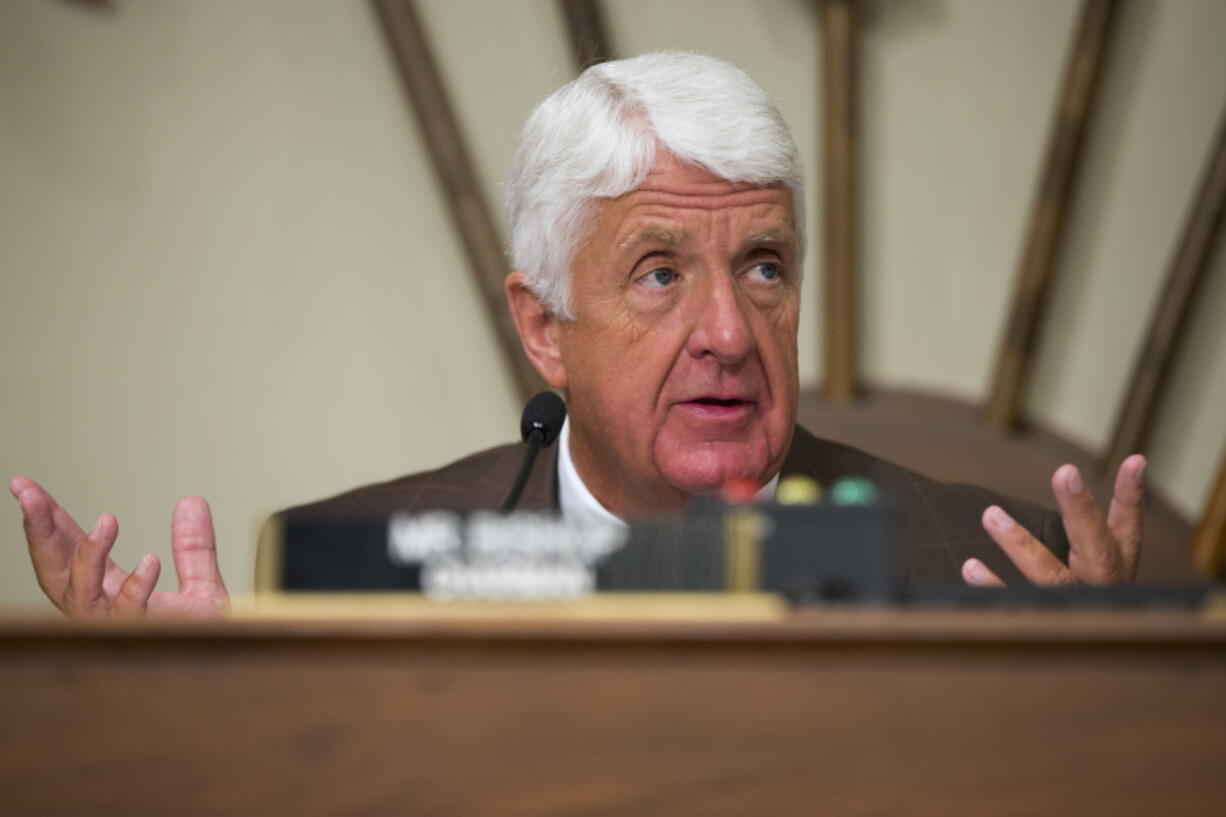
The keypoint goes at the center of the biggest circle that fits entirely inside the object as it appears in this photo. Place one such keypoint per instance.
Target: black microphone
(539, 427)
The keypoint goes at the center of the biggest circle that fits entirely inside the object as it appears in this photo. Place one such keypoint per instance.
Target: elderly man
(656, 214)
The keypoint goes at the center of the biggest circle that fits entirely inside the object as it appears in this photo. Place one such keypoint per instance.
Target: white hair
(598, 135)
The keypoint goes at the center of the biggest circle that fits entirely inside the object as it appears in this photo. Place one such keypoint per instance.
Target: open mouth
(719, 409)
(715, 401)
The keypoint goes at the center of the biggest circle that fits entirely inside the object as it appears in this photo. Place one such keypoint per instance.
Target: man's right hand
(76, 573)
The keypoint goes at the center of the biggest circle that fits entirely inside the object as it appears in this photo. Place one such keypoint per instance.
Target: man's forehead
(678, 202)
(661, 233)
(760, 215)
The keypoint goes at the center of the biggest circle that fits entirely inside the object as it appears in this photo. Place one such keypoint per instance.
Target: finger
(977, 574)
(1124, 517)
(51, 534)
(1036, 562)
(194, 547)
(132, 598)
(85, 595)
(1093, 554)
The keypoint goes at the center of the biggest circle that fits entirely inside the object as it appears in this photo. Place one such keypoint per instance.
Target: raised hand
(76, 572)
(1102, 550)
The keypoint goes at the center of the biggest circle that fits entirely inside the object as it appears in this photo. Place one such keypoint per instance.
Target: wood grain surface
(842, 712)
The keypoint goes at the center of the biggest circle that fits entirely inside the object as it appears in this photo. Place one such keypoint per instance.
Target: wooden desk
(841, 713)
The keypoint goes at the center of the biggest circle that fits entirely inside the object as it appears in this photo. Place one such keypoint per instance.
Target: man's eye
(661, 277)
(766, 271)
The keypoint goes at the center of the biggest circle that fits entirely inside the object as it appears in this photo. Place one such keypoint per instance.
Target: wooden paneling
(840, 228)
(461, 189)
(942, 437)
(589, 39)
(1168, 326)
(1209, 541)
(1049, 213)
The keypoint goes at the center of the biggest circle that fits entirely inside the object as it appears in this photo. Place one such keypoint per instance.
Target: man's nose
(722, 327)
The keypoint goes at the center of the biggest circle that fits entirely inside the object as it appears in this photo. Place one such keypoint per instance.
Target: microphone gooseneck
(540, 425)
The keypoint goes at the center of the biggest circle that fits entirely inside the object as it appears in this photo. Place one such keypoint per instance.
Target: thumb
(194, 547)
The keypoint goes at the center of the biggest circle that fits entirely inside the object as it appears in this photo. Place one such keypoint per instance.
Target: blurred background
(227, 268)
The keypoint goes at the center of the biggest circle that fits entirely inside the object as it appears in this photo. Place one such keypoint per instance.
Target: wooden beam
(589, 40)
(839, 198)
(449, 155)
(1169, 324)
(1049, 213)
(1209, 541)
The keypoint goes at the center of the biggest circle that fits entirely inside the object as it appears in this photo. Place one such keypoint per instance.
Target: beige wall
(225, 268)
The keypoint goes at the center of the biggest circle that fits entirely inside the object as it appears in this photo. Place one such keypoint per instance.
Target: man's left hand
(1102, 550)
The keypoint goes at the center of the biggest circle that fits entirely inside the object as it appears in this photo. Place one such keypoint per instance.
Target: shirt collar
(580, 505)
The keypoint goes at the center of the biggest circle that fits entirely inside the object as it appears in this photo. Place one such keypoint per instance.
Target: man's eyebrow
(771, 237)
(651, 234)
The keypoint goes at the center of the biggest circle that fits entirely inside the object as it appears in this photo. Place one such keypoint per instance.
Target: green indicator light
(853, 491)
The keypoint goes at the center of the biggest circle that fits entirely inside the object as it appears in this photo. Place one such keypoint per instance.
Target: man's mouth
(719, 401)
(718, 408)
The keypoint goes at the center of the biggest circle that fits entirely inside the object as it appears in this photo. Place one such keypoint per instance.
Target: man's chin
(707, 467)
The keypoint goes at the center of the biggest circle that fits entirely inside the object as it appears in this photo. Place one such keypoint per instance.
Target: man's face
(680, 363)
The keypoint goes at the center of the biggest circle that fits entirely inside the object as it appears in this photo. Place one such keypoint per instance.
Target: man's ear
(538, 330)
